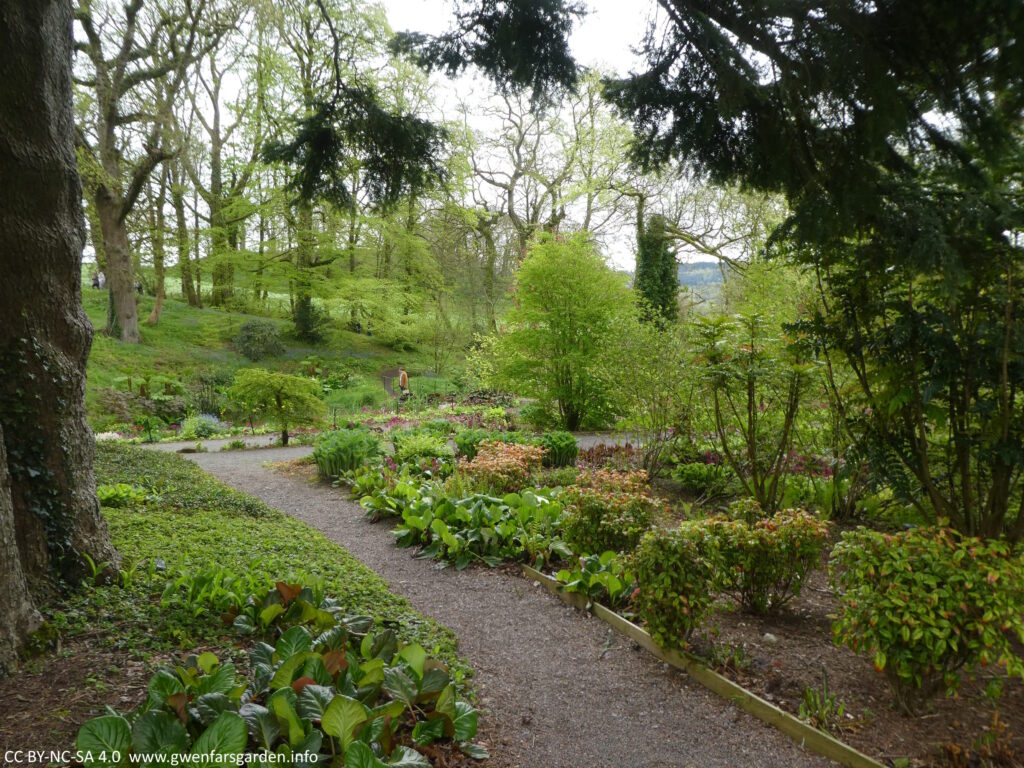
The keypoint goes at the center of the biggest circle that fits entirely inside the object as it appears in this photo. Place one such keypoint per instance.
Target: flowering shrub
(928, 603)
(766, 562)
(676, 572)
(501, 467)
(598, 520)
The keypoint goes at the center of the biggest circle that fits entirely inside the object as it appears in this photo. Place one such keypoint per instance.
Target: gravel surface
(558, 688)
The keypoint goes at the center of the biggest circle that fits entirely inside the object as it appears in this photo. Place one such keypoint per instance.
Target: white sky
(603, 39)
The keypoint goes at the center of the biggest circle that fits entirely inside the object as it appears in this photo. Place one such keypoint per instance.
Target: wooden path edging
(804, 734)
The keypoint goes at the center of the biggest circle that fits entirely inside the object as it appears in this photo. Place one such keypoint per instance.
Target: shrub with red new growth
(620, 481)
(611, 515)
(500, 468)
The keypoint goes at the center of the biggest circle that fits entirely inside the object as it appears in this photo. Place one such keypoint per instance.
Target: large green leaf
(313, 701)
(227, 735)
(465, 721)
(476, 751)
(286, 672)
(262, 724)
(221, 681)
(282, 704)
(361, 756)
(162, 685)
(158, 732)
(342, 717)
(295, 640)
(428, 731)
(415, 656)
(400, 686)
(209, 707)
(104, 738)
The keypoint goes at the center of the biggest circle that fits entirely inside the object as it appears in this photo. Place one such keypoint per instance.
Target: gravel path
(560, 689)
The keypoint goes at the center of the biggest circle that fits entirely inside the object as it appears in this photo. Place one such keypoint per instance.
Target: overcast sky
(603, 39)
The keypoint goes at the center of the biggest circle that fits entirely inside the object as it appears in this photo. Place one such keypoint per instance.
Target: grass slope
(192, 523)
(189, 340)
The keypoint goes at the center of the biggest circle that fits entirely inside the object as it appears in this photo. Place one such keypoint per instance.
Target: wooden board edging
(804, 734)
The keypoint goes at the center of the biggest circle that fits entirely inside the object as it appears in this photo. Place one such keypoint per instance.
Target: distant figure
(403, 381)
(96, 280)
(138, 287)
(102, 280)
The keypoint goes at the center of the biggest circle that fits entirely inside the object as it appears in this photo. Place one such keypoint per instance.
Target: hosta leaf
(227, 735)
(102, 736)
(158, 733)
(342, 716)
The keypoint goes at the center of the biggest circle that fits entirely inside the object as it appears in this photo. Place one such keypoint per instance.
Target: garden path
(559, 689)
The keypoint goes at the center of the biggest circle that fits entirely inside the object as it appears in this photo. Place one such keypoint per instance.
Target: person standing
(403, 381)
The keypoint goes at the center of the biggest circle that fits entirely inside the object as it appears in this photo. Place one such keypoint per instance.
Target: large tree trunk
(188, 288)
(123, 314)
(47, 488)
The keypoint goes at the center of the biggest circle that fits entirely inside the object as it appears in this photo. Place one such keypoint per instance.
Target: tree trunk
(158, 249)
(47, 488)
(188, 288)
(123, 314)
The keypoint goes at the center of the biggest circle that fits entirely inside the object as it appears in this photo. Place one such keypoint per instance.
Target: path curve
(560, 689)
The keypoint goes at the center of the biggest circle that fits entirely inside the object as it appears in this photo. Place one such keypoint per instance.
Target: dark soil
(44, 704)
(781, 669)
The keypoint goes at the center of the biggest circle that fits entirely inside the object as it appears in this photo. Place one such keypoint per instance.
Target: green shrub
(278, 397)
(414, 445)
(676, 573)
(556, 478)
(928, 603)
(200, 427)
(468, 440)
(119, 495)
(605, 578)
(561, 449)
(703, 479)
(258, 339)
(599, 520)
(766, 562)
(343, 450)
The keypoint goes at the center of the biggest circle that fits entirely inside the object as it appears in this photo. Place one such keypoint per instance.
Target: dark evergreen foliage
(519, 44)
(657, 278)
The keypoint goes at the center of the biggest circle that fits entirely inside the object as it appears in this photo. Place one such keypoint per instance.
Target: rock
(770, 638)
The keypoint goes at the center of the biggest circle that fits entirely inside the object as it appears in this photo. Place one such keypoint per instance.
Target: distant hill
(699, 274)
